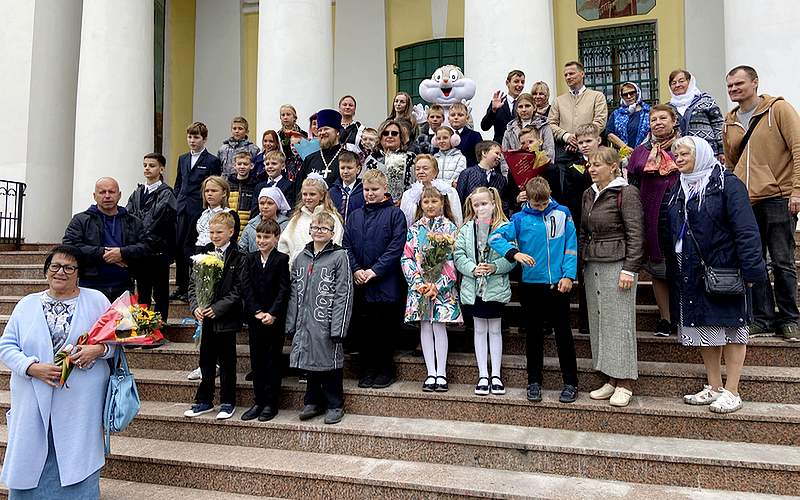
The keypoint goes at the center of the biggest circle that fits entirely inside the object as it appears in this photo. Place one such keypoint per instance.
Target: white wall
(764, 35)
(705, 47)
(218, 69)
(360, 61)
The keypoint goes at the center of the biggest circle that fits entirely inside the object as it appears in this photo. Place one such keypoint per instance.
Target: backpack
(122, 398)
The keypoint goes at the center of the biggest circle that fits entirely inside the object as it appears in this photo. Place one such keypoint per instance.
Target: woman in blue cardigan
(55, 434)
(709, 219)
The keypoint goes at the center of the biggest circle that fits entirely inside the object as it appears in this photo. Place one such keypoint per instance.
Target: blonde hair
(219, 181)
(589, 129)
(326, 202)
(430, 158)
(499, 216)
(223, 218)
(324, 218)
(375, 176)
(432, 192)
(607, 156)
(541, 86)
(275, 155)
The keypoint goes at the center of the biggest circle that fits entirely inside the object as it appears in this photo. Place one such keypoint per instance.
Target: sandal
(441, 387)
(482, 389)
(429, 386)
(497, 387)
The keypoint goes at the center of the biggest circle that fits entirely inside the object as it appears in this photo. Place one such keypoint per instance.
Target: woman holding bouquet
(393, 159)
(431, 275)
(43, 324)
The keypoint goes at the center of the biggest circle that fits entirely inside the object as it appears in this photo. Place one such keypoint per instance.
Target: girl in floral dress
(432, 293)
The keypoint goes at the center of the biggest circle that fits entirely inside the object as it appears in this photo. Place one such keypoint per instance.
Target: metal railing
(12, 194)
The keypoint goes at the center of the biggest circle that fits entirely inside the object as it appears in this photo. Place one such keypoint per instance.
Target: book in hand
(525, 165)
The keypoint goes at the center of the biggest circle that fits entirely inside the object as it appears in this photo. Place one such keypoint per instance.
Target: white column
(764, 35)
(360, 68)
(302, 76)
(39, 80)
(218, 69)
(704, 25)
(114, 118)
(525, 42)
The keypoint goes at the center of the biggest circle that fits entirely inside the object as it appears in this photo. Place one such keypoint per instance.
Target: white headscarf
(277, 196)
(694, 183)
(636, 102)
(681, 102)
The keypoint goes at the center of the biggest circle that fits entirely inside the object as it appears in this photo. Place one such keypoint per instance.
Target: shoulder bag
(122, 398)
(718, 280)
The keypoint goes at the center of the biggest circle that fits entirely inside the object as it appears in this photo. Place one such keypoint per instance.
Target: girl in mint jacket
(485, 286)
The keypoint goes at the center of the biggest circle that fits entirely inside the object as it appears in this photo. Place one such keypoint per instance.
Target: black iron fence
(12, 194)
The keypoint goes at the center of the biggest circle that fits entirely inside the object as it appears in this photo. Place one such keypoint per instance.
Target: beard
(329, 141)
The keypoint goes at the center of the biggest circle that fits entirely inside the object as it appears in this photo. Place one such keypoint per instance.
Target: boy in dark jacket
(347, 193)
(318, 316)
(154, 204)
(458, 116)
(193, 168)
(221, 321)
(265, 292)
(242, 188)
(276, 176)
(236, 143)
(374, 238)
(486, 173)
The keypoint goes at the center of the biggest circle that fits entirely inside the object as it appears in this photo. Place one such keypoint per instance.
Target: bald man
(110, 239)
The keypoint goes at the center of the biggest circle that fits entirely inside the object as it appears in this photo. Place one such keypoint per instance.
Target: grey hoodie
(320, 305)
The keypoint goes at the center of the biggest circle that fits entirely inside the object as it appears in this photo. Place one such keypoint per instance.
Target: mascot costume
(445, 87)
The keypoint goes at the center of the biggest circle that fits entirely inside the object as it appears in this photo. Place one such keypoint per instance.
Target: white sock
(495, 345)
(440, 339)
(426, 340)
(481, 346)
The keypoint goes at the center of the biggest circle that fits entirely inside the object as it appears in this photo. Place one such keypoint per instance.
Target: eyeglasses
(321, 229)
(68, 270)
(391, 133)
(629, 94)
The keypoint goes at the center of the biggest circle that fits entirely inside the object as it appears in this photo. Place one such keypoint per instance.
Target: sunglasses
(629, 94)
(390, 133)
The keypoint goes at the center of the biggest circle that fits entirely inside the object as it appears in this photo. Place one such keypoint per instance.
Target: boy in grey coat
(320, 305)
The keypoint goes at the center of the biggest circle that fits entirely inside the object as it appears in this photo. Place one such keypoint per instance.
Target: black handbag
(719, 280)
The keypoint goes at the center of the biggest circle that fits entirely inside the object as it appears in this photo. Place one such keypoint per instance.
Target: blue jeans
(776, 225)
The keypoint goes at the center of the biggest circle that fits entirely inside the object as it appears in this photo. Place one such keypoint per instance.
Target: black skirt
(484, 310)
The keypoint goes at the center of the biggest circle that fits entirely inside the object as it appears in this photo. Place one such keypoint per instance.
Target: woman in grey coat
(611, 239)
(320, 306)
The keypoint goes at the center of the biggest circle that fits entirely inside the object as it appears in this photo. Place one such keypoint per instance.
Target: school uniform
(469, 139)
(499, 119)
(475, 176)
(347, 199)
(192, 171)
(218, 339)
(265, 288)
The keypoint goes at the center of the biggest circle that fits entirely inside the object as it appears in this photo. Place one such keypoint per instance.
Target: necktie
(220, 253)
(345, 198)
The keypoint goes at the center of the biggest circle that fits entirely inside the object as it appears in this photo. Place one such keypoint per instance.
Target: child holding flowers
(431, 275)
(485, 286)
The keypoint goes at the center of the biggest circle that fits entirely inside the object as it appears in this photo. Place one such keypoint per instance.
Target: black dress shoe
(310, 411)
(267, 414)
(383, 381)
(441, 384)
(334, 415)
(534, 392)
(430, 384)
(366, 381)
(252, 413)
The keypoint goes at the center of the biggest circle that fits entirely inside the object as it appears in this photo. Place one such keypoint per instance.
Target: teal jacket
(498, 286)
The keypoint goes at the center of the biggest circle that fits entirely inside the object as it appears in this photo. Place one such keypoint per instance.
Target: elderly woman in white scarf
(698, 112)
(629, 124)
(710, 224)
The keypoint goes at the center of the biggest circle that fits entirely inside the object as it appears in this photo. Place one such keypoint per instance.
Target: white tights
(433, 337)
(491, 327)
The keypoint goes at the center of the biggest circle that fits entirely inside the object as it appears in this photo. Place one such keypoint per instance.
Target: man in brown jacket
(577, 107)
(761, 139)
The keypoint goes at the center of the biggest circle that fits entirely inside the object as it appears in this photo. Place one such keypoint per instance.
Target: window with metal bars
(617, 54)
(416, 62)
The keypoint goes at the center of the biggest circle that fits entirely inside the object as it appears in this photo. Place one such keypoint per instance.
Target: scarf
(694, 183)
(623, 115)
(681, 102)
(659, 160)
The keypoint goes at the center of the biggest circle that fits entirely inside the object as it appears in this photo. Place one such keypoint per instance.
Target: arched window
(418, 61)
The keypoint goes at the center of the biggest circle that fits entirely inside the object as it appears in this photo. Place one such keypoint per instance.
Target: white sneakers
(723, 401)
(197, 375)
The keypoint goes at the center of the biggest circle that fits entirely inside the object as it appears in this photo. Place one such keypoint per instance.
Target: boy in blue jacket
(374, 237)
(547, 248)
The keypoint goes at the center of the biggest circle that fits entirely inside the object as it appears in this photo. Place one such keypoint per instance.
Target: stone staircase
(402, 443)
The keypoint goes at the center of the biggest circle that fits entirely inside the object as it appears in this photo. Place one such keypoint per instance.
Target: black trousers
(266, 362)
(152, 283)
(540, 301)
(217, 347)
(112, 293)
(186, 238)
(377, 326)
(324, 389)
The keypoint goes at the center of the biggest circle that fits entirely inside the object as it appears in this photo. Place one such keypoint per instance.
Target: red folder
(525, 165)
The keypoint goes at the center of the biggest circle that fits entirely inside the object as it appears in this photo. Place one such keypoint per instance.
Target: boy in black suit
(458, 116)
(222, 320)
(501, 109)
(193, 168)
(274, 170)
(265, 292)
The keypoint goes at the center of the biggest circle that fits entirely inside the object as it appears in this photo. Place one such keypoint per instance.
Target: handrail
(12, 194)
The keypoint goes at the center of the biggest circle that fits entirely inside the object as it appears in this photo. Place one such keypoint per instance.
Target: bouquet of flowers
(206, 272)
(483, 226)
(436, 248)
(395, 170)
(126, 323)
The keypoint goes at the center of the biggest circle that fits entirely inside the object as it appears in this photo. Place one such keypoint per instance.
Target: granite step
(33, 270)
(294, 474)
(756, 422)
(605, 456)
(758, 383)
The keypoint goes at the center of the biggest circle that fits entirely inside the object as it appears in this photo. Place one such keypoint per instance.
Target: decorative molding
(439, 18)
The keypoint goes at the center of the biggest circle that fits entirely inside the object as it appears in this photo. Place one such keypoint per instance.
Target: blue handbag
(122, 398)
